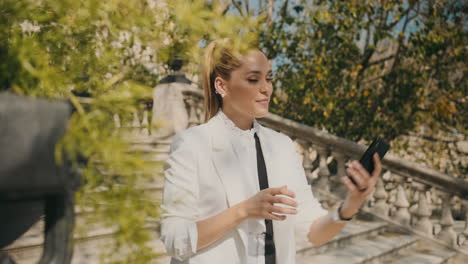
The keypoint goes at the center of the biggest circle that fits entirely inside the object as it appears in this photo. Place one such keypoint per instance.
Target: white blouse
(243, 142)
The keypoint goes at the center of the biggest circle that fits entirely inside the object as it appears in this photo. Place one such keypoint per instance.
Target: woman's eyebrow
(259, 72)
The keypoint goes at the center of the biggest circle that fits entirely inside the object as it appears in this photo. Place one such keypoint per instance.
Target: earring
(222, 95)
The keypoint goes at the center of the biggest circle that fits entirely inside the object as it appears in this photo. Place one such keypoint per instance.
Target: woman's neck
(242, 122)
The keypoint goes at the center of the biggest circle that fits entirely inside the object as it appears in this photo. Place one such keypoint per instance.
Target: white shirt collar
(235, 129)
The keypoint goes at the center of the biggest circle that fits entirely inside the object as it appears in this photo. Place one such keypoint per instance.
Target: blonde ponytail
(219, 61)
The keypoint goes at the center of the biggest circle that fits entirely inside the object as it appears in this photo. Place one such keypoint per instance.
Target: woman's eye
(270, 79)
(252, 80)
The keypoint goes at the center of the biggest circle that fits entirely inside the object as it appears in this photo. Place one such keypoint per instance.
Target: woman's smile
(264, 101)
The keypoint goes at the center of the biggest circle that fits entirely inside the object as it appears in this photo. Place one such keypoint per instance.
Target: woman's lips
(264, 102)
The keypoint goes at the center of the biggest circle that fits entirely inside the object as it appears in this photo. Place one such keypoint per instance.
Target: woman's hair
(220, 60)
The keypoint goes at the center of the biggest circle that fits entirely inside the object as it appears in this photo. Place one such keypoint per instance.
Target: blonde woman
(235, 191)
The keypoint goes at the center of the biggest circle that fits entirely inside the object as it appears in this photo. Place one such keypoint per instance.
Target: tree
(365, 68)
(114, 52)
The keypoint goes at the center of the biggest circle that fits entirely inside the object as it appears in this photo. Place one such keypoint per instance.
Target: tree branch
(247, 6)
(238, 7)
(381, 60)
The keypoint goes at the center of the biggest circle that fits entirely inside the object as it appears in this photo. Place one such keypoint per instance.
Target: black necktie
(270, 251)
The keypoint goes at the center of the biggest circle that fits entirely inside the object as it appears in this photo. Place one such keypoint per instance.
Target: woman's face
(249, 89)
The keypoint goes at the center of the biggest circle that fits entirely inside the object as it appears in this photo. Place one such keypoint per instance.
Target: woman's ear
(220, 86)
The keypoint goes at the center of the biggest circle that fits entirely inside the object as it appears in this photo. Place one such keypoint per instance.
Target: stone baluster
(306, 161)
(324, 172)
(402, 214)
(389, 185)
(117, 123)
(126, 122)
(464, 244)
(422, 222)
(381, 206)
(135, 126)
(438, 203)
(433, 199)
(336, 186)
(192, 112)
(199, 110)
(413, 197)
(447, 234)
(392, 194)
(145, 124)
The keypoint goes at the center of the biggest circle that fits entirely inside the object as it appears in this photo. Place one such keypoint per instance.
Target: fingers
(282, 210)
(358, 166)
(282, 190)
(377, 165)
(349, 185)
(276, 197)
(271, 216)
(360, 179)
(352, 187)
(283, 200)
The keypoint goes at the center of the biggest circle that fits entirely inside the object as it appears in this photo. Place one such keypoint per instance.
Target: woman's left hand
(365, 184)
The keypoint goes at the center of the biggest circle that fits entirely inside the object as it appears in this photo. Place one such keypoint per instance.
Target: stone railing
(422, 200)
(417, 198)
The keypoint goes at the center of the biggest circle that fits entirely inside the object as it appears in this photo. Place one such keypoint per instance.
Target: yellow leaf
(319, 76)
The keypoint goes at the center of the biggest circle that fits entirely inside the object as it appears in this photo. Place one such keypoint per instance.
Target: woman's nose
(266, 88)
(263, 87)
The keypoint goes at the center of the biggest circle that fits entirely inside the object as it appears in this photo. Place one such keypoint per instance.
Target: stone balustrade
(419, 199)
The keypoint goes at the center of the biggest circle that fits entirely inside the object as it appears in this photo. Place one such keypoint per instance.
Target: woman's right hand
(263, 204)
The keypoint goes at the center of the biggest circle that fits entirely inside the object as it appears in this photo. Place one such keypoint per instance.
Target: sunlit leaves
(115, 52)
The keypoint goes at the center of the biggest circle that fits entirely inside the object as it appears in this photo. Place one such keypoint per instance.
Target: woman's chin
(261, 113)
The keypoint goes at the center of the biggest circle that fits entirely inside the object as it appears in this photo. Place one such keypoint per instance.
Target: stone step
(353, 231)
(29, 245)
(362, 251)
(87, 249)
(90, 251)
(423, 252)
(419, 258)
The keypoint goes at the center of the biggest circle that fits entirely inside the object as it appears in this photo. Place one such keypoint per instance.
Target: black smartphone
(377, 146)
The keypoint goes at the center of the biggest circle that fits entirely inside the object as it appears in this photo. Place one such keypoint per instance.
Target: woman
(235, 191)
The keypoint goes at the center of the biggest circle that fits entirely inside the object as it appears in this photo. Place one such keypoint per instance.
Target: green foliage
(115, 52)
(352, 58)
(366, 68)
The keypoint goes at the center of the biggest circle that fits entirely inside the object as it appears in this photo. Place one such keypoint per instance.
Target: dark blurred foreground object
(31, 183)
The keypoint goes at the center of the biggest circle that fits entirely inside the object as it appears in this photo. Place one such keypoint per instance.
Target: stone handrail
(420, 199)
(391, 162)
